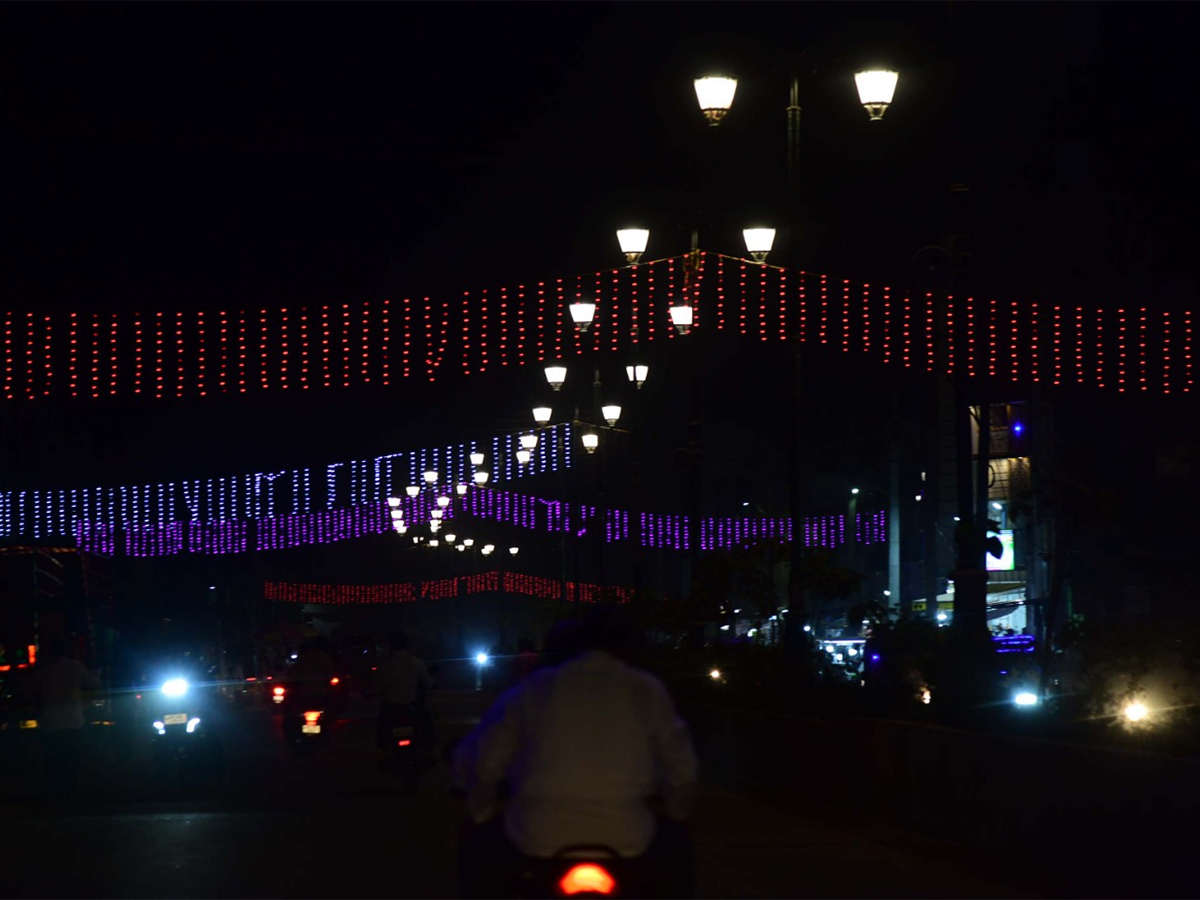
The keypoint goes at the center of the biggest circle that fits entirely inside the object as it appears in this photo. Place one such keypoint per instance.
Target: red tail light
(312, 717)
(587, 878)
(334, 680)
(403, 743)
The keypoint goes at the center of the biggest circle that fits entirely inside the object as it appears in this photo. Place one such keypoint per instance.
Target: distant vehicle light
(278, 691)
(403, 743)
(715, 674)
(335, 680)
(1025, 698)
(175, 687)
(481, 658)
(587, 878)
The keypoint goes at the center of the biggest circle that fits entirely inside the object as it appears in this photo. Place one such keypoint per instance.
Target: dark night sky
(172, 156)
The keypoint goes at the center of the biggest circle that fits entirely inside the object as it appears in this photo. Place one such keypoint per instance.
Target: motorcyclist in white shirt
(583, 747)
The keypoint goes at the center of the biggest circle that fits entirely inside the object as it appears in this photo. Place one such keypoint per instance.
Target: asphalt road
(337, 826)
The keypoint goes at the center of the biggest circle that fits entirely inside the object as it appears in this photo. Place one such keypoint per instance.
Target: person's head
(525, 645)
(398, 640)
(607, 627)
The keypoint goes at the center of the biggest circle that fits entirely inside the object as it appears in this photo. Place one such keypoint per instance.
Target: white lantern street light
(450, 538)
(611, 414)
(400, 527)
(488, 548)
(481, 477)
(529, 441)
(633, 243)
(412, 490)
(437, 513)
(435, 524)
(468, 542)
(681, 318)
(542, 414)
(582, 313)
(393, 502)
(513, 551)
(523, 457)
(431, 476)
(397, 515)
(443, 502)
(715, 95)
(432, 542)
(875, 90)
(591, 441)
(460, 488)
(637, 374)
(477, 459)
(556, 375)
(759, 242)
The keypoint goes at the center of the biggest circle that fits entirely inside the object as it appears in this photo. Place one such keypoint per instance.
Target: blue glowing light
(1018, 428)
(874, 657)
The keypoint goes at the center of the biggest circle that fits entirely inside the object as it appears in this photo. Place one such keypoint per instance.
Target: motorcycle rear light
(587, 878)
(312, 717)
(403, 743)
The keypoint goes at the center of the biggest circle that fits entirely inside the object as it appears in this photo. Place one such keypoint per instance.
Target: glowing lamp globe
(875, 90)
(638, 374)
(431, 476)
(556, 375)
(681, 318)
(759, 242)
(523, 456)
(611, 413)
(591, 441)
(582, 313)
(715, 93)
(477, 459)
(633, 243)
(529, 441)
(481, 477)
(542, 414)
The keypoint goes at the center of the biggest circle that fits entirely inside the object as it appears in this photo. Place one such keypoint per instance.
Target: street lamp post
(715, 93)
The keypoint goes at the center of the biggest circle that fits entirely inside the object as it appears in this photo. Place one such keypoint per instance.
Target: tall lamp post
(715, 95)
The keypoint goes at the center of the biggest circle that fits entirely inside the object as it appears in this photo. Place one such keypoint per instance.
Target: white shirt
(399, 676)
(60, 683)
(583, 746)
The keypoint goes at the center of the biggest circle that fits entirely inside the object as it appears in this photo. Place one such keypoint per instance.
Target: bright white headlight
(1026, 698)
(176, 687)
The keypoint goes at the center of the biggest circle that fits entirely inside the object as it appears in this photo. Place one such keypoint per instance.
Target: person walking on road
(59, 683)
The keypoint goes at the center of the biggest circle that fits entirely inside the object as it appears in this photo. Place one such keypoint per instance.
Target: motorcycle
(406, 756)
(186, 747)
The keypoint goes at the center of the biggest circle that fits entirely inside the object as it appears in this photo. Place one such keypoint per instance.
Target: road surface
(337, 826)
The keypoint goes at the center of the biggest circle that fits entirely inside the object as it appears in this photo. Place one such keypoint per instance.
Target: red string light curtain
(1128, 347)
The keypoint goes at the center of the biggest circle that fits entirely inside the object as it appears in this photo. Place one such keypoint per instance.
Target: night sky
(171, 156)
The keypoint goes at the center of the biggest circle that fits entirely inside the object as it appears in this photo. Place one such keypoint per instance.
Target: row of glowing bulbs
(443, 501)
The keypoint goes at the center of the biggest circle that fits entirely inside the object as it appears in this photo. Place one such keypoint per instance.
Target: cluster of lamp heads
(438, 513)
(715, 93)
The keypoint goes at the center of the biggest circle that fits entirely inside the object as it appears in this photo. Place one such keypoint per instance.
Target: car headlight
(175, 687)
